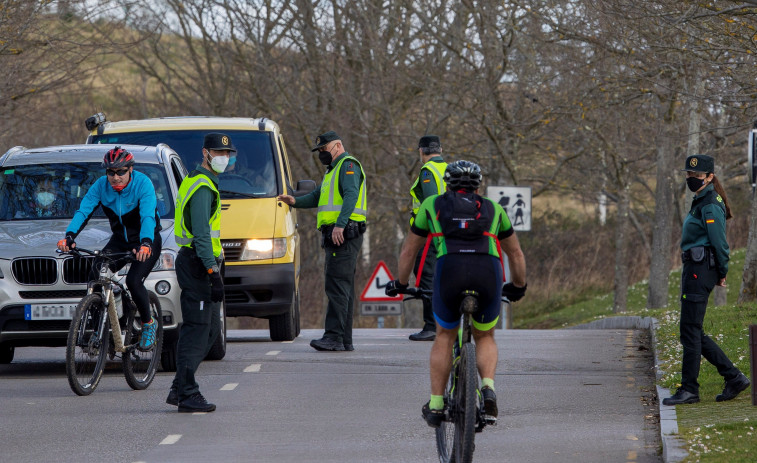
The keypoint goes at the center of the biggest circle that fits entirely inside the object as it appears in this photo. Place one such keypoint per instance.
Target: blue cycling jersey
(132, 212)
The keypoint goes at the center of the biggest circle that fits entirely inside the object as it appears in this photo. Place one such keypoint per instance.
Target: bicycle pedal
(490, 420)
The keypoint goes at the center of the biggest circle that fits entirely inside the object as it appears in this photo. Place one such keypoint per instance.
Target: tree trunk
(621, 245)
(659, 267)
(748, 291)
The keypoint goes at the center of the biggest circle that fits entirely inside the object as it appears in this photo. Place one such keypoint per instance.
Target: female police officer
(705, 264)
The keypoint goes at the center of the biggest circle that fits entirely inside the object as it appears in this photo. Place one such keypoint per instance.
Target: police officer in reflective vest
(430, 182)
(197, 229)
(705, 264)
(341, 202)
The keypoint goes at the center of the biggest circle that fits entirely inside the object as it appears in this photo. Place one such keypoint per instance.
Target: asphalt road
(564, 396)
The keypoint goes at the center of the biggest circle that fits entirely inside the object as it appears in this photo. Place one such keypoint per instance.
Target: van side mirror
(304, 187)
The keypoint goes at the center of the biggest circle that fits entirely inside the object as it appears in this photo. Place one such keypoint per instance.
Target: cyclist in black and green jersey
(471, 232)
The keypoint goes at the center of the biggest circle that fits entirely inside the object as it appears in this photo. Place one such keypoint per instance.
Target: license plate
(49, 311)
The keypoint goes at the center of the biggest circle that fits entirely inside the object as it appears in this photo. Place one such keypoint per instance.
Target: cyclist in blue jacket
(128, 199)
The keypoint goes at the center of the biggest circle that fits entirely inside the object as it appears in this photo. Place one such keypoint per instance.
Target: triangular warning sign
(375, 288)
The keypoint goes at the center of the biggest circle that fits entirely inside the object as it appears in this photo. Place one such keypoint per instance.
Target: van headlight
(264, 249)
(167, 261)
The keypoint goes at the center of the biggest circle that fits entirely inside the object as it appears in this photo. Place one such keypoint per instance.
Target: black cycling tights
(135, 279)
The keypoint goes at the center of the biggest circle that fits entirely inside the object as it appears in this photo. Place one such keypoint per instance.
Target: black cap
(324, 139)
(218, 142)
(429, 141)
(700, 163)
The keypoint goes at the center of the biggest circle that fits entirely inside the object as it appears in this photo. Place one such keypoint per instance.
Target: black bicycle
(464, 405)
(92, 338)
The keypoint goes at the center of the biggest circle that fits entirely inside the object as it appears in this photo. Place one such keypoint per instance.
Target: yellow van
(259, 235)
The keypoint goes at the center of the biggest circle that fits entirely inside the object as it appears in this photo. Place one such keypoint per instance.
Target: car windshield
(252, 172)
(54, 191)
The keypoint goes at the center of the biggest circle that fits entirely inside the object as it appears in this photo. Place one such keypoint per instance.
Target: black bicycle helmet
(117, 158)
(463, 175)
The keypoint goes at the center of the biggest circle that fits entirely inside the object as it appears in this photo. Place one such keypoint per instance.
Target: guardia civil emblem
(693, 162)
(225, 140)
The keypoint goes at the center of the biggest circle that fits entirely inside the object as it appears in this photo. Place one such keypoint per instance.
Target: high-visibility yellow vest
(437, 171)
(189, 187)
(330, 201)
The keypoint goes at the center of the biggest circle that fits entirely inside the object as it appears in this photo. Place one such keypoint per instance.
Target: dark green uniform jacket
(349, 188)
(197, 215)
(705, 226)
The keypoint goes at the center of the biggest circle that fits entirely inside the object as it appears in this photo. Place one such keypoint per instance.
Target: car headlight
(167, 261)
(264, 249)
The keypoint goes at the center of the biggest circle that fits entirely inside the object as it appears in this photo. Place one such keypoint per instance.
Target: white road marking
(273, 352)
(171, 439)
(254, 368)
(287, 342)
(230, 387)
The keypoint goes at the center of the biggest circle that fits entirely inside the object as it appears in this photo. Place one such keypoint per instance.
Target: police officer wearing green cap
(430, 182)
(705, 264)
(197, 229)
(341, 202)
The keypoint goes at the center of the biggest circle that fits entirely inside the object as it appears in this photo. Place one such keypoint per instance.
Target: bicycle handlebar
(419, 293)
(77, 252)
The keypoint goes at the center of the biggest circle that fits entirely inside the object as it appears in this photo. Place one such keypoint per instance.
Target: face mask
(232, 161)
(219, 163)
(324, 157)
(45, 199)
(694, 183)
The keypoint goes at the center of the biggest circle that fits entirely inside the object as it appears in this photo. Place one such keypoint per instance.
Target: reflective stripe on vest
(330, 201)
(189, 186)
(437, 170)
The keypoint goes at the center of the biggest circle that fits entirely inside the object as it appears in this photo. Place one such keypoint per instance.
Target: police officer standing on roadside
(341, 202)
(430, 182)
(705, 264)
(198, 232)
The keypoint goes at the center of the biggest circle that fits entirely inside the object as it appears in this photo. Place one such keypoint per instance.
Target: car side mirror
(304, 187)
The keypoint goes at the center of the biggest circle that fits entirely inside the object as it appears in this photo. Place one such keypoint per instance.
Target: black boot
(733, 388)
(681, 396)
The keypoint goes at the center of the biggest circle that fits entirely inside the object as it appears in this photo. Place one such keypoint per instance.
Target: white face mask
(45, 198)
(219, 163)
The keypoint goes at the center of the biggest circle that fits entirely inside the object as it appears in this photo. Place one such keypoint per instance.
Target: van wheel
(6, 353)
(284, 327)
(218, 350)
(168, 356)
(297, 314)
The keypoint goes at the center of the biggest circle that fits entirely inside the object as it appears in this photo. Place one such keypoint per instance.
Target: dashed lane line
(230, 387)
(171, 439)
(273, 352)
(254, 368)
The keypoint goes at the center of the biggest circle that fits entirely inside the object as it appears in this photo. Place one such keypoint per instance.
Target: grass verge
(713, 432)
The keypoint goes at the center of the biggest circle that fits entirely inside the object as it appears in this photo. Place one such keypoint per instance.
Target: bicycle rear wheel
(87, 345)
(465, 396)
(140, 367)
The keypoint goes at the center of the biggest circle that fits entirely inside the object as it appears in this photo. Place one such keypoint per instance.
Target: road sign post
(373, 299)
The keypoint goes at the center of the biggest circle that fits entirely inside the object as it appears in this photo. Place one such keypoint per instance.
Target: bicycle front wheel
(87, 345)
(140, 367)
(466, 397)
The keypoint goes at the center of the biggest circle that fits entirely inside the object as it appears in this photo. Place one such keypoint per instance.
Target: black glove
(394, 287)
(512, 292)
(216, 287)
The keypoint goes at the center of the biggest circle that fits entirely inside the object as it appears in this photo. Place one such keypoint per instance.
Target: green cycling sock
(487, 382)
(436, 402)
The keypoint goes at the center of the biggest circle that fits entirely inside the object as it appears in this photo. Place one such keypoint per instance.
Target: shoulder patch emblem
(720, 199)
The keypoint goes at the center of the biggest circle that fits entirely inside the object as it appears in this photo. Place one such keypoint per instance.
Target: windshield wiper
(244, 195)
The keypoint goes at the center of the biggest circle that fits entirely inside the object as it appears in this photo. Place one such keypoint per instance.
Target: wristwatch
(213, 269)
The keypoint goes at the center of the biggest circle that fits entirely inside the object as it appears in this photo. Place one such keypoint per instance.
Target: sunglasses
(119, 172)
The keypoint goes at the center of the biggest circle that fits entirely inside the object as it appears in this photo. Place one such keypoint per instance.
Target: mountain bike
(464, 405)
(106, 325)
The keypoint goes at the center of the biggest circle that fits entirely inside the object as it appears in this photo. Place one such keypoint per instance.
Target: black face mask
(694, 183)
(324, 157)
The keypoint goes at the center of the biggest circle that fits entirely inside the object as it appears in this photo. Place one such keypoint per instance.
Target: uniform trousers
(200, 322)
(427, 283)
(697, 281)
(339, 271)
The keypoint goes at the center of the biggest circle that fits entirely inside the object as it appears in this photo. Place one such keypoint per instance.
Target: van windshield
(54, 191)
(252, 172)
